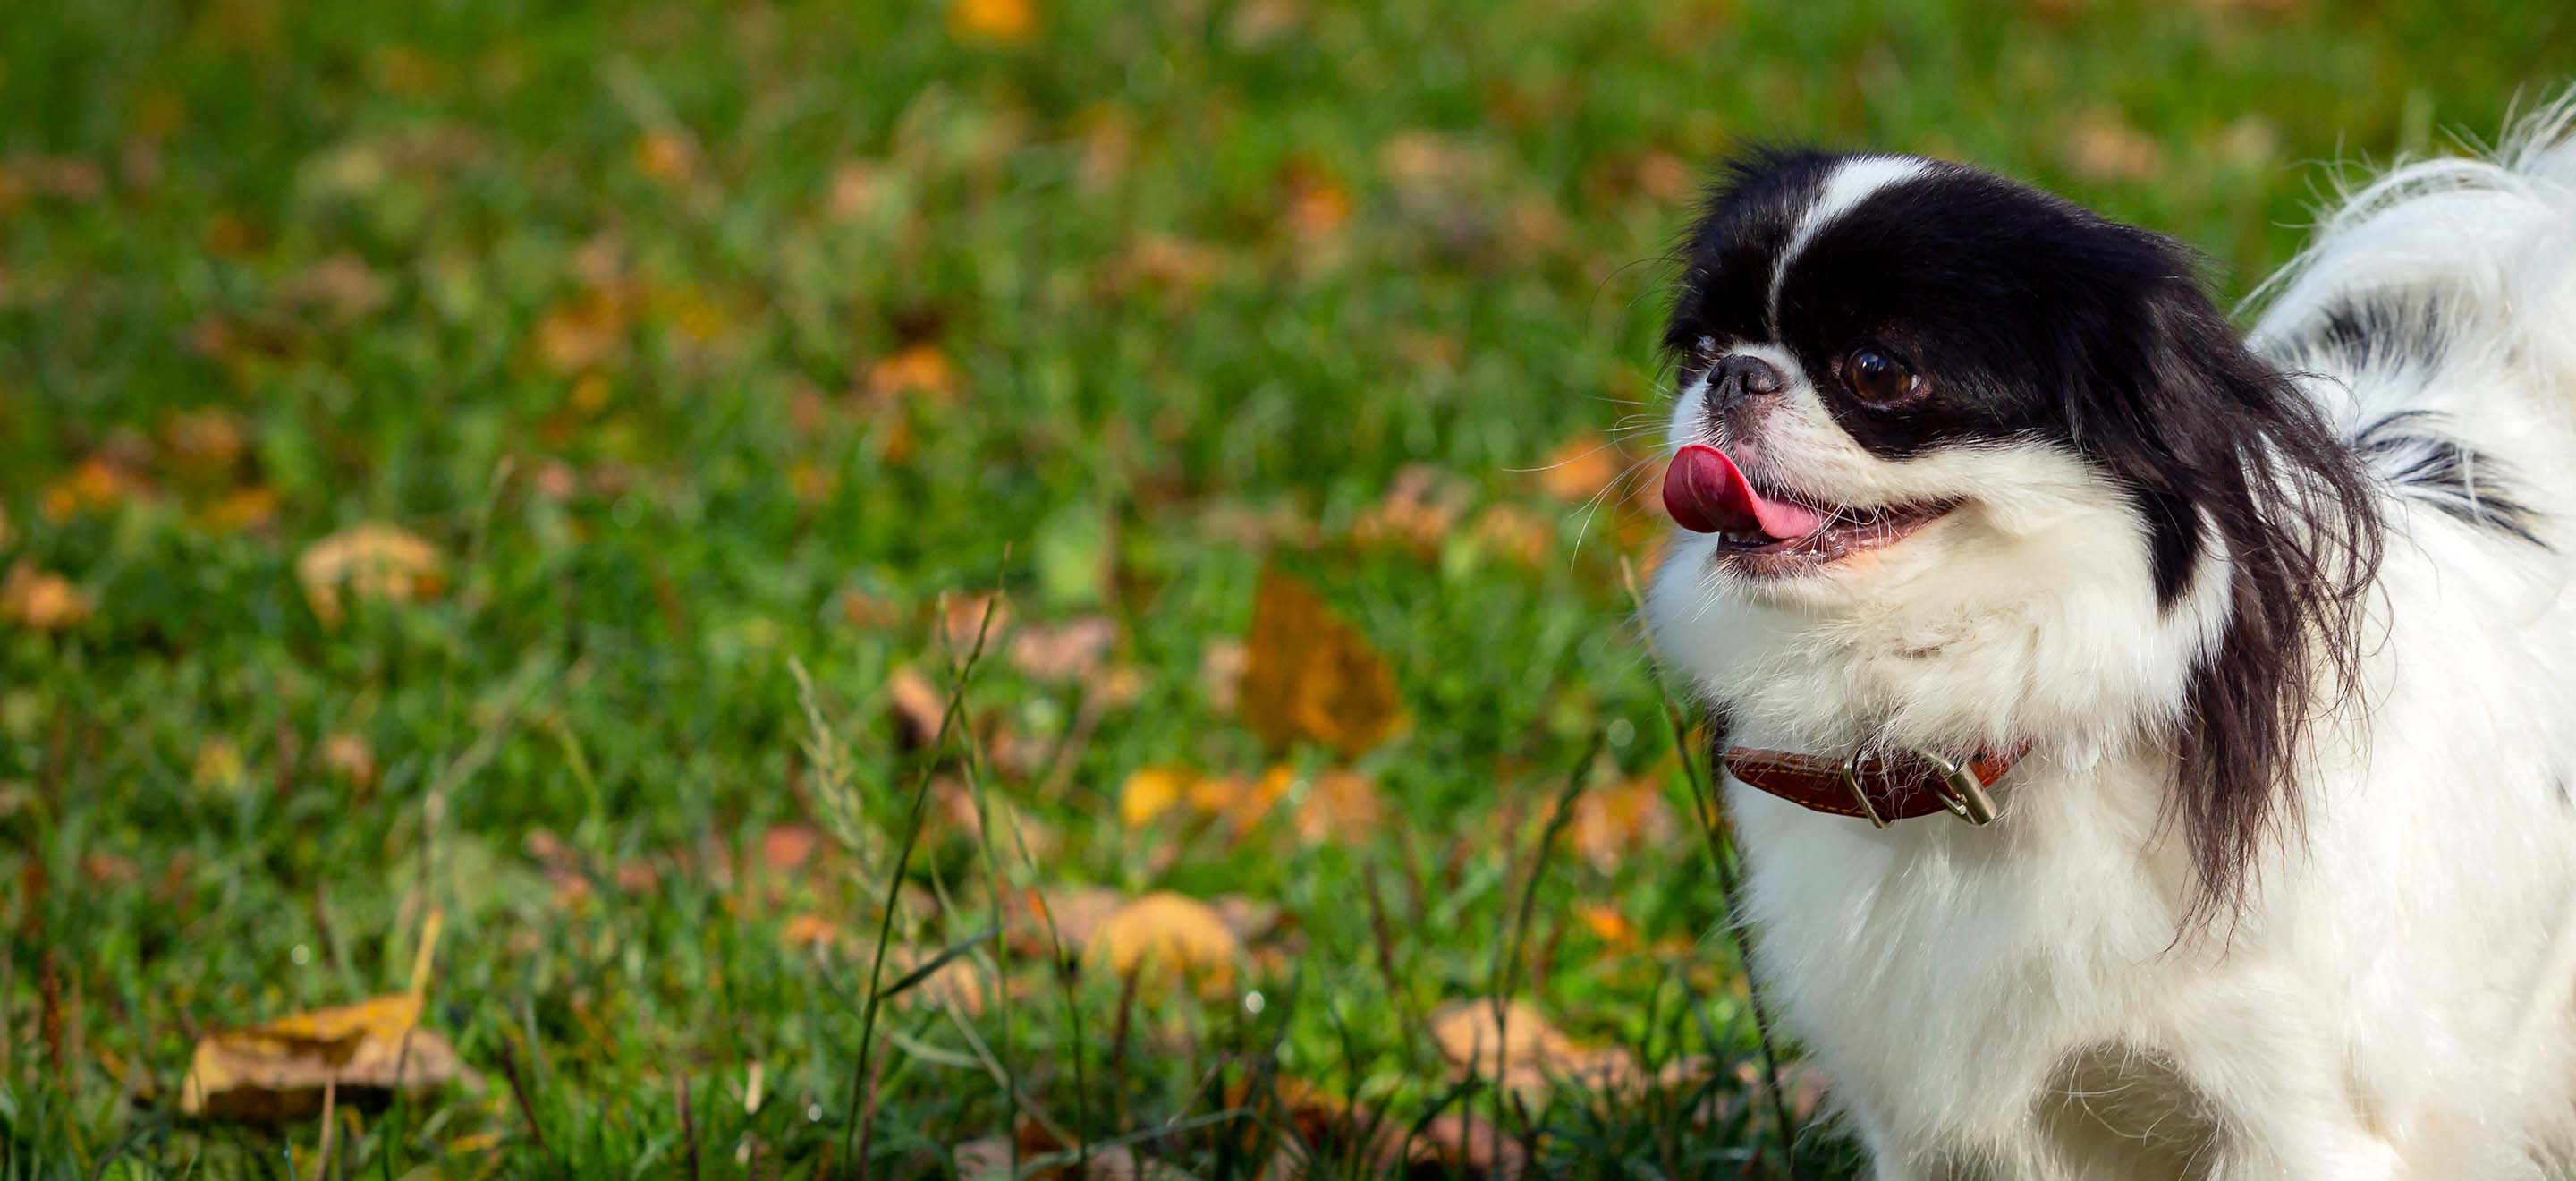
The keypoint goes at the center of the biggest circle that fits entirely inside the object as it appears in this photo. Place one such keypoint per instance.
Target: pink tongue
(1706, 493)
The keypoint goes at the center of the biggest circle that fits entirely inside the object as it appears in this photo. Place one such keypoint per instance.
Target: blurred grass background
(666, 347)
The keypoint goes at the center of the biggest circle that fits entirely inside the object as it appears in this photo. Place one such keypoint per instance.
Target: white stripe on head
(1852, 182)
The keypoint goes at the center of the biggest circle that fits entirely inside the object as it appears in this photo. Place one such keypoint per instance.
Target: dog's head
(2013, 444)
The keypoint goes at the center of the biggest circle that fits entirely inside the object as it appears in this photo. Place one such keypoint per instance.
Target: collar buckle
(1957, 788)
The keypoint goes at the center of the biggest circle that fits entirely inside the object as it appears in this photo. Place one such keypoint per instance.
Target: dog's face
(1961, 461)
(1905, 360)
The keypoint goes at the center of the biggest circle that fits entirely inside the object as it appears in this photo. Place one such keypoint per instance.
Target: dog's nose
(1739, 377)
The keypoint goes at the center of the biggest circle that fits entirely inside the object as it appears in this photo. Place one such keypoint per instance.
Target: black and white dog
(2151, 744)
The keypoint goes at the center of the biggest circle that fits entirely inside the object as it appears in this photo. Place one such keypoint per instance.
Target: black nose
(1740, 377)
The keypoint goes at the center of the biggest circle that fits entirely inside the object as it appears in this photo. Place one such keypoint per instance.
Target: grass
(711, 348)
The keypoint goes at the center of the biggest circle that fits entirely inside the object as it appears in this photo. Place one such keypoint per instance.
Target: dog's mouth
(1773, 533)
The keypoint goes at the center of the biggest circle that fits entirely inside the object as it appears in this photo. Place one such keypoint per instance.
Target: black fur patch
(2422, 463)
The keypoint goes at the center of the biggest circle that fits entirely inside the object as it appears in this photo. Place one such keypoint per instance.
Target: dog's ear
(2227, 458)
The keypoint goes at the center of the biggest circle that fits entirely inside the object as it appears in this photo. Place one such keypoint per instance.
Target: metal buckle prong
(1967, 798)
(1860, 795)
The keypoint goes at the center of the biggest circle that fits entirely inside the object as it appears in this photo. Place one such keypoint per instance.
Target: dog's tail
(2484, 245)
(2430, 291)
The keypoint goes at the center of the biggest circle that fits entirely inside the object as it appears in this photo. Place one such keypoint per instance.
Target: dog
(2150, 743)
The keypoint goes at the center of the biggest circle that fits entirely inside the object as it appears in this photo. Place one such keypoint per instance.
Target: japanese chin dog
(2150, 743)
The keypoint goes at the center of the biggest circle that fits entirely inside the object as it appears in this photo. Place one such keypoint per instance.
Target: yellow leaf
(368, 560)
(1000, 22)
(1150, 792)
(1167, 932)
(1309, 676)
(98, 483)
(280, 1071)
(41, 600)
(218, 764)
(665, 156)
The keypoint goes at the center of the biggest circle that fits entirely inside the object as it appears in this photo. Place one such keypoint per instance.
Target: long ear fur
(2223, 451)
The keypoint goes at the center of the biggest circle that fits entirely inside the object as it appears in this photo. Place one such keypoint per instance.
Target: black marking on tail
(2411, 452)
(2382, 328)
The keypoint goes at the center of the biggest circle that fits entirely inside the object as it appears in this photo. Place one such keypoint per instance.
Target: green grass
(731, 216)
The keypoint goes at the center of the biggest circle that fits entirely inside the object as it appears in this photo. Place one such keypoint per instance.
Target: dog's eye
(1876, 376)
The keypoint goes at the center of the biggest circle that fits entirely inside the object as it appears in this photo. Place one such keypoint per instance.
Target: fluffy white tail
(2481, 251)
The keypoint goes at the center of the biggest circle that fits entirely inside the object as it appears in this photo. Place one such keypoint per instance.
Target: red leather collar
(1881, 789)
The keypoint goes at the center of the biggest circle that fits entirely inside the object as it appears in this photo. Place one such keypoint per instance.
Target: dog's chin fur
(2287, 884)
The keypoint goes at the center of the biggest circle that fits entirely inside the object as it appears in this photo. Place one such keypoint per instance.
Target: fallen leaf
(1580, 467)
(1067, 652)
(1152, 791)
(279, 1071)
(1418, 510)
(918, 708)
(1515, 533)
(1316, 205)
(984, 1159)
(1168, 932)
(666, 156)
(96, 483)
(1531, 1054)
(349, 757)
(1467, 1145)
(341, 286)
(369, 560)
(858, 187)
(204, 442)
(1610, 823)
(1310, 676)
(1340, 806)
(993, 22)
(975, 619)
(920, 369)
(242, 508)
(787, 848)
(1221, 666)
(2104, 147)
(584, 333)
(1069, 914)
(41, 600)
(810, 932)
(1608, 925)
(867, 612)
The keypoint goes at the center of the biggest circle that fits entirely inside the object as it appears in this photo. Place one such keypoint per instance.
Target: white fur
(2396, 1000)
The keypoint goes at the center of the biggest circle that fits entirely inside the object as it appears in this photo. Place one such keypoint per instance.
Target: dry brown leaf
(965, 624)
(1610, 823)
(279, 1071)
(986, 1159)
(584, 333)
(993, 22)
(1418, 510)
(1316, 204)
(1070, 914)
(917, 706)
(1221, 666)
(1067, 652)
(1608, 926)
(867, 612)
(41, 600)
(369, 560)
(2102, 146)
(1531, 1054)
(1310, 676)
(787, 848)
(349, 757)
(242, 508)
(341, 286)
(1515, 533)
(1580, 467)
(1464, 1144)
(1340, 806)
(1165, 932)
(203, 442)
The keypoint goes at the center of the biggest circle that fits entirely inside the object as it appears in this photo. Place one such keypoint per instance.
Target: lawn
(897, 588)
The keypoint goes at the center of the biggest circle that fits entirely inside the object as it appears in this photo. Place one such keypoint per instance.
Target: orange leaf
(1310, 676)
(41, 600)
(1580, 467)
(998, 22)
